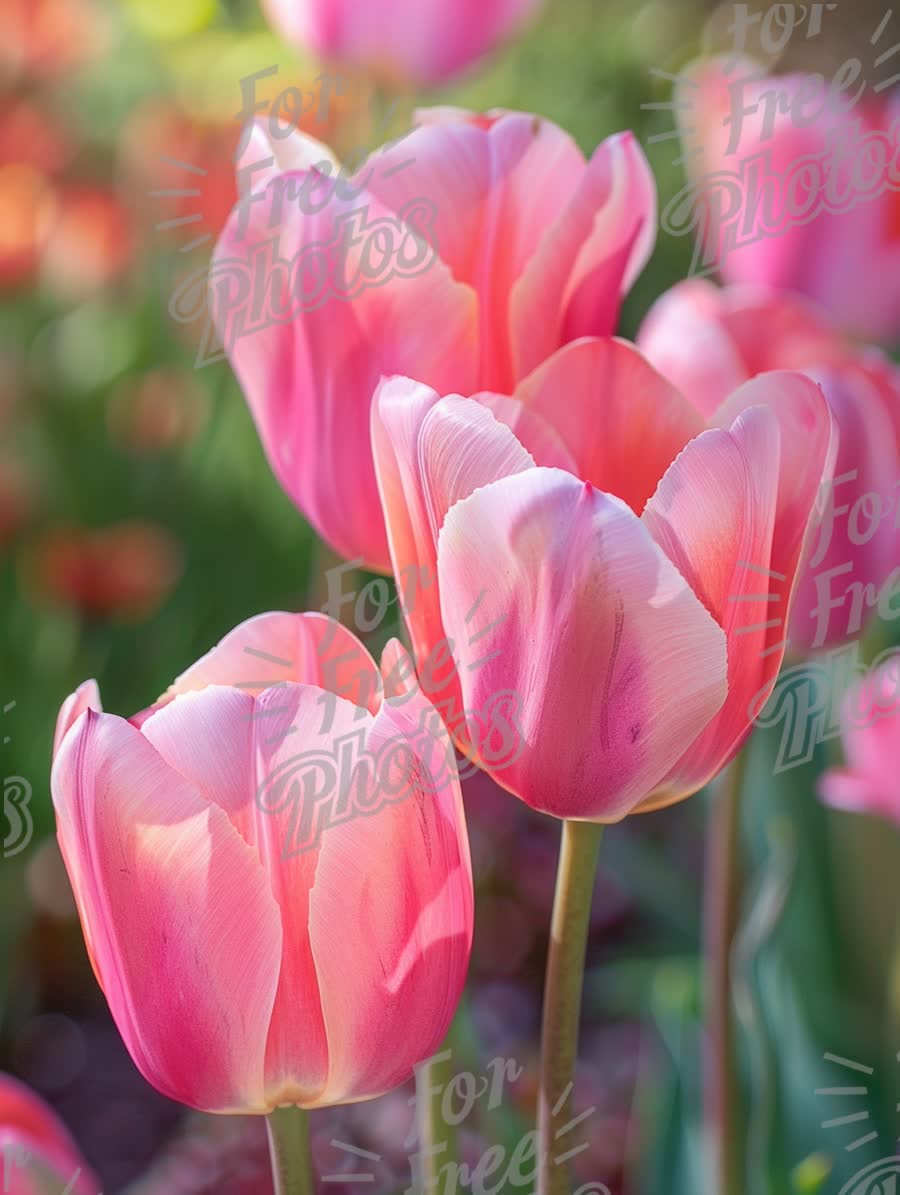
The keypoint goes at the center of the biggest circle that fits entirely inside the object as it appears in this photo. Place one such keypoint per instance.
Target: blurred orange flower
(49, 37)
(90, 243)
(33, 149)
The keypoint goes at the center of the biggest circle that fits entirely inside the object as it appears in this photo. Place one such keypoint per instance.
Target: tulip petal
(417, 41)
(401, 875)
(605, 657)
(182, 930)
(461, 448)
(496, 189)
(535, 433)
(275, 649)
(309, 362)
(595, 247)
(277, 767)
(870, 727)
(429, 453)
(684, 339)
(870, 730)
(865, 472)
(732, 514)
(623, 423)
(85, 697)
(808, 450)
(267, 153)
(32, 1140)
(855, 793)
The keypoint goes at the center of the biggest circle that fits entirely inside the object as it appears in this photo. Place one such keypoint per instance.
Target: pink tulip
(271, 869)
(37, 1155)
(707, 341)
(870, 782)
(463, 256)
(795, 180)
(418, 41)
(610, 575)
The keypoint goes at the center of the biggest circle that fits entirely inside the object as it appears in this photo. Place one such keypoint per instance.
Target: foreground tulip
(412, 41)
(591, 550)
(794, 183)
(463, 256)
(870, 731)
(271, 869)
(37, 1155)
(708, 340)
(603, 570)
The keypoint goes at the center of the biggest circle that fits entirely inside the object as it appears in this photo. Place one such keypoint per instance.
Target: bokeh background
(139, 522)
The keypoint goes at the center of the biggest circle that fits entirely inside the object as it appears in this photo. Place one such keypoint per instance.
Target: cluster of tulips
(614, 543)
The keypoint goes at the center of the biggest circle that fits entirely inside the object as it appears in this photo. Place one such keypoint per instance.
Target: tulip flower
(271, 869)
(611, 574)
(793, 185)
(37, 1155)
(870, 732)
(414, 41)
(707, 341)
(617, 565)
(463, 256)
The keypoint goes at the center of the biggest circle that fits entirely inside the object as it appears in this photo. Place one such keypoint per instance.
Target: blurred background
(139, 522)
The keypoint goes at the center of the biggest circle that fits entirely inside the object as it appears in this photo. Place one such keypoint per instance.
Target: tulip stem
(437, 1137)
(722, 898)
(290, 1151)
(578, 856)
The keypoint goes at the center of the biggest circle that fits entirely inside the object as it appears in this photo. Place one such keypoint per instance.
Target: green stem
(437, 1138)
(290, 1151)
(893, 993)
(579, 852)
(723, 889)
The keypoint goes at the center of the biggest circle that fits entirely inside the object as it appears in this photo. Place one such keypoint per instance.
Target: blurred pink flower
(247, 963)
(599, 573)
(37, 1154)
(796, 187)
(413, 41)
(503, 245)
(870, 780)
(708, 340)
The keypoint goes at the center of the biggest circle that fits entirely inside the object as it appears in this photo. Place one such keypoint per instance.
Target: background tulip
(870, 732)
(123, 572)
(633, 632)
(490, 243)
(708, 340)
(796, 182)
(37, 1155)
(418, 41)
(248, 967)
